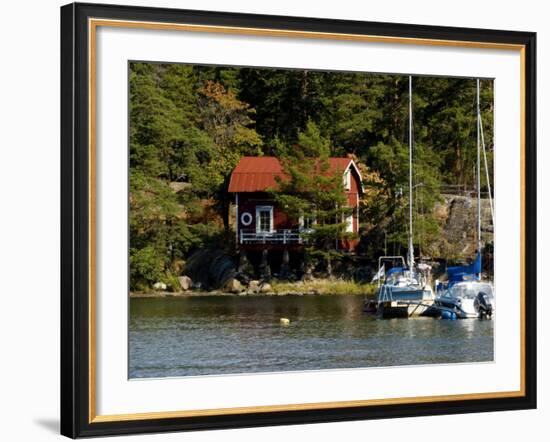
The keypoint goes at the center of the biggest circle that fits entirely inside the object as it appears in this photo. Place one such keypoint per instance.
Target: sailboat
(465, 294)
(404, 290)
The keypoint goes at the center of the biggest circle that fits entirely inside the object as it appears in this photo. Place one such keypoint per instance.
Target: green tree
(190, 125)
(390, 158)
(229, 124)
(310, 189)
(187, 128)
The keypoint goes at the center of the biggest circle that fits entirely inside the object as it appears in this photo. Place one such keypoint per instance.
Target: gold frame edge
(93, 23)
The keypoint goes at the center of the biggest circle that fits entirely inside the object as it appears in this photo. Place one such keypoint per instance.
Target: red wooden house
(260, 222)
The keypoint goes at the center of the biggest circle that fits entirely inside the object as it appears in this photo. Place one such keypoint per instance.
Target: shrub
(146, 267)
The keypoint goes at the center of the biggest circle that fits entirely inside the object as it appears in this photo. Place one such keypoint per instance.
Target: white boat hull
(403, 302)
(473, 299)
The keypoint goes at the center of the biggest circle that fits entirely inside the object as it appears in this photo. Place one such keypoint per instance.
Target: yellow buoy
(285, 321)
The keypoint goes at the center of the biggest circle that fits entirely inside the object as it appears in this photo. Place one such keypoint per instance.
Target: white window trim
(352, 164)
(313, 222)
(347, 179)
(258, 210)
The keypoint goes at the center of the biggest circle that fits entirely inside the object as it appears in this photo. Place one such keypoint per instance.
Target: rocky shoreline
(318, 287)
(201, 293)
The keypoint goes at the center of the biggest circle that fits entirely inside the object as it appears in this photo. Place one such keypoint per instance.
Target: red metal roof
(257, 174)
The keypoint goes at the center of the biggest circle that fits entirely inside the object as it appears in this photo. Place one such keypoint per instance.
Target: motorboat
(466, 294)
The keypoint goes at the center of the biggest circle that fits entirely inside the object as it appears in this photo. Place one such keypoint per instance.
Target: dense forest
(189, 125)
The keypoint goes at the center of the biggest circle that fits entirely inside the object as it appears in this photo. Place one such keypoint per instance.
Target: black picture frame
(75, 220)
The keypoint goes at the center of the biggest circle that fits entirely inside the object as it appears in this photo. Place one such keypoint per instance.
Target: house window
(347, 180)
(307, 222)
(264, 219)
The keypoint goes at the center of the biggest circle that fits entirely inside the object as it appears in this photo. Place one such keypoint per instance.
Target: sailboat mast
(478, 176)
(411, 248)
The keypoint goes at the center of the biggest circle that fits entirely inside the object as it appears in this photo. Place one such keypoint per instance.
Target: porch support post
(245, 269)
(285, 266)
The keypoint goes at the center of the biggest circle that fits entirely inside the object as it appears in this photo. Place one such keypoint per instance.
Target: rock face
(266, 288)
(254, 286)
(160, 286)
(185, 282)
(458, 216)
(210, 269)
(233, 286)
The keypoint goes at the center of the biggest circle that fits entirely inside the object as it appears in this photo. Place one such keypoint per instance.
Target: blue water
(203, 335)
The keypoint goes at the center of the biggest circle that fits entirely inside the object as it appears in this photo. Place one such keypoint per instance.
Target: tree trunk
(329, 266)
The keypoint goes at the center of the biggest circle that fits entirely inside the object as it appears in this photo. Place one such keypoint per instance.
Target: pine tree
(191, 124)
(310, 189)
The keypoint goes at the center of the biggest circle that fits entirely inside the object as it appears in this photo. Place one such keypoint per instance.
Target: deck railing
(283, 236)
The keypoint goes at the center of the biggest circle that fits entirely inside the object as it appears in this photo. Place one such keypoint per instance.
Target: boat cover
(465, 272)
(395, 270)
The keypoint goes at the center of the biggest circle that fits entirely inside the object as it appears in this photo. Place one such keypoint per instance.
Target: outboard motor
(483, 305)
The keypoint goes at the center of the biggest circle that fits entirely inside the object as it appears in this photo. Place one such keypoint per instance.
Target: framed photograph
(274, 220)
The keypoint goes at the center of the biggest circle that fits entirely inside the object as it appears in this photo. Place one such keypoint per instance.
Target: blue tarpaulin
(395, 270)
(465, 272)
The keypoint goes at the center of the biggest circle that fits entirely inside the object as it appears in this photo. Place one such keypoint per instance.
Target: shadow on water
(233, 334)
